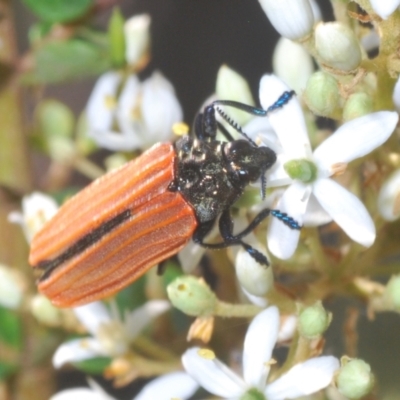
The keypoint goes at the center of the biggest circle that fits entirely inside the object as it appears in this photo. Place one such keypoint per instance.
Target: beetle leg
(226, 230)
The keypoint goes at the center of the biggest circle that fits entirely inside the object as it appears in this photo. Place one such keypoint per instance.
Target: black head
(248, 162)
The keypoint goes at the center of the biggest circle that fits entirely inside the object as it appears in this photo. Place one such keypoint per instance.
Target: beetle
(127, 221)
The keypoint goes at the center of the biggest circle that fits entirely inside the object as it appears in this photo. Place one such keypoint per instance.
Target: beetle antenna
(234, 125)
(263, 185)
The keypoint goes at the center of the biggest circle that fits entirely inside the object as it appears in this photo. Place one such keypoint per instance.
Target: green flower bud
(115, 161)
(192, 296)
(392, 292)
(231, 85)
(357, 105)
(253, 394)
(313, 321)
(322, 94)
(355, 379)
(54, 118)
(303, 170)
(337, 46)
(116, 38)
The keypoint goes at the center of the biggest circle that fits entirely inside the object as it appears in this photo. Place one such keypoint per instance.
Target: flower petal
(346, 209)
(355, 139)
(77, 350)
(101, 103)
(303, 379)
(92, 315)
(292, 63)
(212, 374)
(293, 19)
(396, 95)
(136, 320)
(37, 209)
(79, 394)
(259, 128)
(388, 198)
(288, 121)
(127, 139)
(282, 241)
(160, 109)
(259, 342)
(170, 386)
(315, 215)
(384, 8)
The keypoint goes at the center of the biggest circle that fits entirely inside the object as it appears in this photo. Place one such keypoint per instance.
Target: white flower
(308, 194)
(110, 336)
(384, 8)
(37, 209)
(144, 111)
(101, 106)
(217, 378)
(293, 19)
(172, 385)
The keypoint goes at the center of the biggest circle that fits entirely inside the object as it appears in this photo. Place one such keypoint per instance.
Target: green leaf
(10, 328)
(132, 296)
(59, 10)
(6, 369)
(60, 61)
(94, 365)
(172, 271)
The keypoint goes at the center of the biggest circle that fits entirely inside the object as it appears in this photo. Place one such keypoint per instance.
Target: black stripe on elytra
(48, 266)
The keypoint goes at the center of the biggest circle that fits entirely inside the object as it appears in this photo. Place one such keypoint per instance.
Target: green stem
(151, 349)
(313, 241)
(87, 168)
(236, 310)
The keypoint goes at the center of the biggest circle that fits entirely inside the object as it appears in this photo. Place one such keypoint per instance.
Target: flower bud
(137, 38)
(192, 296)
(392, 292)
(256, 279)
(231, 85)
(389, 197)
(396, 95)
(303, 170)
(337, 46)
(12, 287)
(45, 312)
(357, 105)
(313, 321)
(116, 38)
(354, 379)
(322, 94)
(292, 63)
(293, 19)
